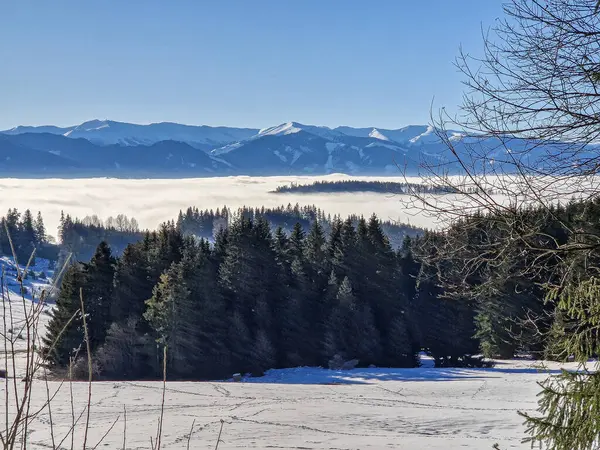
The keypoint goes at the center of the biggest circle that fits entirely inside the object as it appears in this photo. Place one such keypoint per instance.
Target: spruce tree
(296, 242)
(40, 229)
(98, 294)
(569, 404)
(351, 332)
(64, 336)
(134, 281)
(126, 354)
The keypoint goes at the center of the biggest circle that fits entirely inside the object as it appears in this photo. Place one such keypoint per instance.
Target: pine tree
(249, 279)
(98, 294)
(263, 354)
(167, 312)
(240, 344)
(400, 345)
(64, 335)
(569, 404)
(133, 282)
(312, 279)
(351, 332)
(126, 354)
(281, 243)
(40, 230)
(296, 242)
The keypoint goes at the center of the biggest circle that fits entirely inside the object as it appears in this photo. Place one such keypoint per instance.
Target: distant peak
(93, 125)
(283, 129)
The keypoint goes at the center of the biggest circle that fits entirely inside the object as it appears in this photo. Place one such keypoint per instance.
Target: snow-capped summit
(425, 136)
(295, 127)
(87, 127)
(283, 129)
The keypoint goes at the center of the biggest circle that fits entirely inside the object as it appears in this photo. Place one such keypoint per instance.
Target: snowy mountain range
(109, 148)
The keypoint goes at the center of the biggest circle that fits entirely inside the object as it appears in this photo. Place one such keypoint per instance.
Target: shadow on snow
(313, 375)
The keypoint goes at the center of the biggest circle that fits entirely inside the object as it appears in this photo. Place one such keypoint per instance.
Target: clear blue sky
(251, 63)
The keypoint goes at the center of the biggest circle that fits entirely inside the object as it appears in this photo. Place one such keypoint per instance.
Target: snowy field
(153, 201)
(408, 409)
(303, 408)
(309, 409)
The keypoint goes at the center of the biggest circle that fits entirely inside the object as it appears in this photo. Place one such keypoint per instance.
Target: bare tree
(527, 138)
(529, 124)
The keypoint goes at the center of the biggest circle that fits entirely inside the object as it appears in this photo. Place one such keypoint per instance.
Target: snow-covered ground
(302, 408)
(312, 409)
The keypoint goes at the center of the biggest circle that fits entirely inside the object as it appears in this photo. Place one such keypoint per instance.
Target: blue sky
(252, 63)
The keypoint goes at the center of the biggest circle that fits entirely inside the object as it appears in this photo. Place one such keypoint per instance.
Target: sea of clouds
(153, 201)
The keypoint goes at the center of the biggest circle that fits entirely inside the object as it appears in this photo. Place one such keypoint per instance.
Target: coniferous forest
(254, 299)
(292, 286)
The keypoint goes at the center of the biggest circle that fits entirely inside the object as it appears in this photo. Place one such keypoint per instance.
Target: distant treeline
(383, 187)
(22, 233)
(79, 237)
(205, 224)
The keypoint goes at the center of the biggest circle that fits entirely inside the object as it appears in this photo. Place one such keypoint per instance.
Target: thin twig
(72, 403)
(162, 405)
(190, 435)
(106, 434)
(219, 438)
(124, 426)
(49, 403)
(89, 360)
(6, 382)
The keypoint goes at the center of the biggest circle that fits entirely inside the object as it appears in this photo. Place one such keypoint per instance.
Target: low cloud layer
(154, 201)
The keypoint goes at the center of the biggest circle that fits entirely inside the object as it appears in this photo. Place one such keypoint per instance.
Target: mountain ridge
(110, 148)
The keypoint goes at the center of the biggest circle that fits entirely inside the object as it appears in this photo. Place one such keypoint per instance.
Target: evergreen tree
(263, 354)
(98, 294)
(126, 353)
(64, 335)
(296, 243)
(134, 281)
(351, 332)
(40, 229)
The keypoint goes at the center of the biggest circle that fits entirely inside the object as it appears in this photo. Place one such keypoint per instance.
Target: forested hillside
(254, 300)
(257, 299)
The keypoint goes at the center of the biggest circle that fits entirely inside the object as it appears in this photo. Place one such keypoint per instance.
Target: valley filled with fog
(153, 201)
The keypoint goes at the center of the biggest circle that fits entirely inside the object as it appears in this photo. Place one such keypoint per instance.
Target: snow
(297, 155)
(283, 129)
(455, 136)
(331, 147)
(379, 144)
(280, 156)
(33, 287)
(427, 132)
(226, 148)
(377, 135)
(352, 168)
